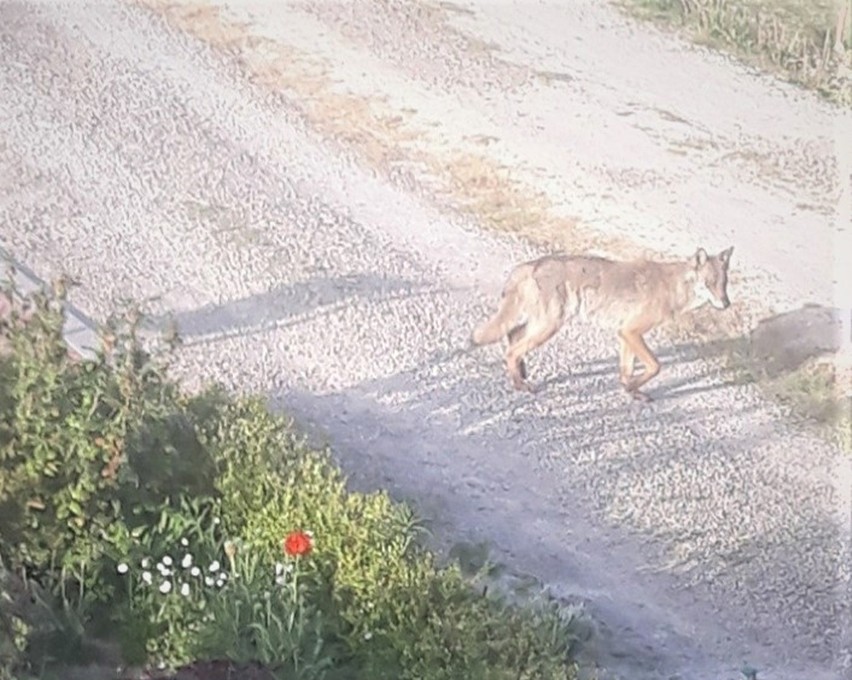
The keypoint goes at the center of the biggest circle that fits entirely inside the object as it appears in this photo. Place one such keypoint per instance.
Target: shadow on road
(781, 343)
(284, 306)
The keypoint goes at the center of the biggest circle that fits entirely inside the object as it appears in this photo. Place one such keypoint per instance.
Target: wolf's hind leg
(534, 335)
(514, 335)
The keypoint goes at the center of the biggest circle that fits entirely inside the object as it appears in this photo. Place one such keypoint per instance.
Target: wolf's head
(710, 279)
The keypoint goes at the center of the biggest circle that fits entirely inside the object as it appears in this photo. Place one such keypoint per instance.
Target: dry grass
(485, 190)
(805, 41)
(816, 391)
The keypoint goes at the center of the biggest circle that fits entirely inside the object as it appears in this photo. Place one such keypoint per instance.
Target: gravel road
(702, 531)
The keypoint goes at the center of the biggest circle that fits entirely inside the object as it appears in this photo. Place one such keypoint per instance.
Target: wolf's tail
(500, 324)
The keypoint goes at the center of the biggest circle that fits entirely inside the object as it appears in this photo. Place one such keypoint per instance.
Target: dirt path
(704, 531)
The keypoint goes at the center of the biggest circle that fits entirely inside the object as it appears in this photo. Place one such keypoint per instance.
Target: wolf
(631, 297)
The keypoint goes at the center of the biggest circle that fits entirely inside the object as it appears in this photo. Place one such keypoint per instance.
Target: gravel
(702, 531)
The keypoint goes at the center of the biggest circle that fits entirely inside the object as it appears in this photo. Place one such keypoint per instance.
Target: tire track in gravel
(140, 162)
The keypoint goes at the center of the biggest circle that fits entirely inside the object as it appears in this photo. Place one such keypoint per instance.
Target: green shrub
(121, 492)
(166, 579)
(85, 446)
(14, 628)
(91, 455)
(39, 628)
(402, 617)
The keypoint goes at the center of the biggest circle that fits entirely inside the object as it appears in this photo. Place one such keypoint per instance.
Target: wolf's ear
(700, 258)
(725, 256)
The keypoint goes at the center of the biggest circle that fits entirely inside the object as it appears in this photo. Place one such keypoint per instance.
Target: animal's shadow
(778, 345)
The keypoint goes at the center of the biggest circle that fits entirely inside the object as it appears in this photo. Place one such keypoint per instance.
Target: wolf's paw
(522, 385)
(640, 396)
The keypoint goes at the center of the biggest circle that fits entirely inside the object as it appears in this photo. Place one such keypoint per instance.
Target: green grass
(808, 42)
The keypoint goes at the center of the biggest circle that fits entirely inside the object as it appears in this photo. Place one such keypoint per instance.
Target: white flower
(184, 589)
(165, 587)
(216, 520)
(122, 568)
(195, 571)
(147, 578)
(208, 581)
(184, 542)
(186, 562)
(368, 635)
(280, 580)
(161, 567)
(168, 561)
(166, 572)
(279, 568)
(214, 566)
(146, 563)
(220, 583)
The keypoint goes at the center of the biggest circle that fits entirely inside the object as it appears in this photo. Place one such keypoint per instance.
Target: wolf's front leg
(635, 344)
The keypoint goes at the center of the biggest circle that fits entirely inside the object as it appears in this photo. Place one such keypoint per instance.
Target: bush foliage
(148, 521)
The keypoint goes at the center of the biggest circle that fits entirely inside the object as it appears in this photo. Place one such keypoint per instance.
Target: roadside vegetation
(147, 528)
(816, 390)
(808, 42)
(791, 357)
